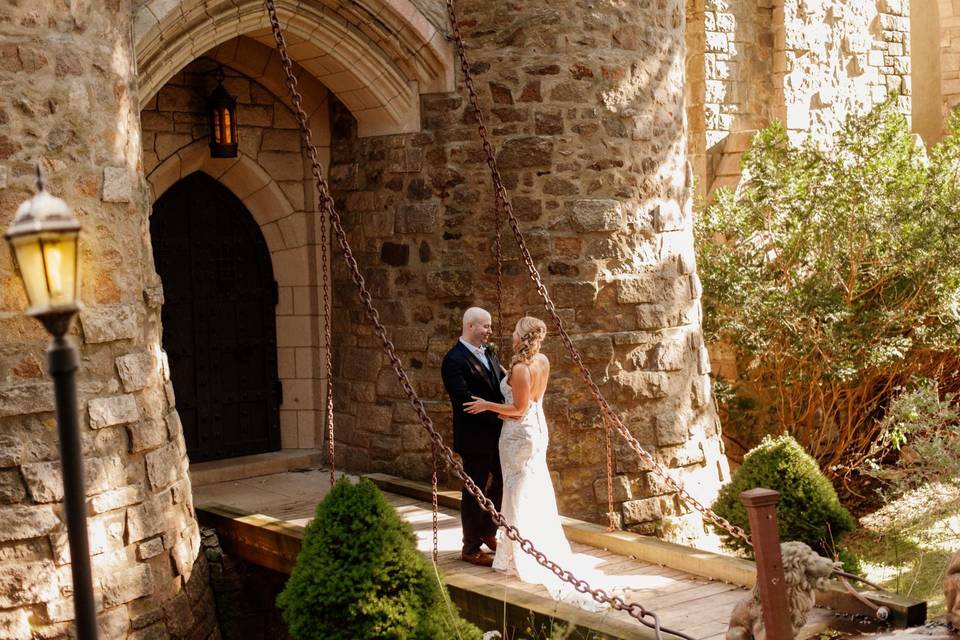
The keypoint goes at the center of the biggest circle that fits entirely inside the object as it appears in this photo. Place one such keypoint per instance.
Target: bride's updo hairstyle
(532, 331)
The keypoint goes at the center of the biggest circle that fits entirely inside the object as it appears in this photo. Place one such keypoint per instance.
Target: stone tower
(585, 105)
(70, 101)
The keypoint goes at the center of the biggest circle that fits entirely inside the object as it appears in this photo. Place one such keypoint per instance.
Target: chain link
(435, 502)
(609, 416)
(637, 611)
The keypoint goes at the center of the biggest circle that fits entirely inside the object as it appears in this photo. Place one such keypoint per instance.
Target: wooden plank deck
(280, 506)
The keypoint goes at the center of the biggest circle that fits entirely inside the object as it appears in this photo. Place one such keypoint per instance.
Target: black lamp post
(43, 238)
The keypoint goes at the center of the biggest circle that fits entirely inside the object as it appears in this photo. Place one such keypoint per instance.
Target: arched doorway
(219, 323)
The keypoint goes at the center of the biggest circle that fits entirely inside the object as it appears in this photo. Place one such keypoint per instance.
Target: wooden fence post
(762, 510)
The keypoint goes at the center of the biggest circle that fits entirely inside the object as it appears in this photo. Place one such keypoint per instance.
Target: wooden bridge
(262, 520)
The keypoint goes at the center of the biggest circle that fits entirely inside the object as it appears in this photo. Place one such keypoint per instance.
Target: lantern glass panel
(48, 265)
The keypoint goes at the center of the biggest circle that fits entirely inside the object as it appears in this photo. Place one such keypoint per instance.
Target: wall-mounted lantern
(222, 114)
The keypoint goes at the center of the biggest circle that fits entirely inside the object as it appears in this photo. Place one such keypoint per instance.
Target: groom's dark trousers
(476, 437)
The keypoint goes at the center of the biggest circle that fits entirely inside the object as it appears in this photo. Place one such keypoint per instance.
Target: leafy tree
(359, 576)
(834, 273)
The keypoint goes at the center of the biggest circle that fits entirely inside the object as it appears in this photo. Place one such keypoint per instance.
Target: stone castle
(203, 331)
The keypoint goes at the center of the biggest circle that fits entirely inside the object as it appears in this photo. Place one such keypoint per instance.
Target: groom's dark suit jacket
(465, 376)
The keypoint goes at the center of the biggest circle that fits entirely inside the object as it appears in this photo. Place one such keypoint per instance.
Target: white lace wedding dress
(530, 504)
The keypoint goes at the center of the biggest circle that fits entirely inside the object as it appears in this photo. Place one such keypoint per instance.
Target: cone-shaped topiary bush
(808, 511)
(359, 576)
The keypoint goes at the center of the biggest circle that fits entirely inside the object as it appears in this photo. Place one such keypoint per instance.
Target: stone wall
(835, 58)
(806, 63)
(729, 82)
(949, 14)
(268, 177)
(586, 112)
(70, 102)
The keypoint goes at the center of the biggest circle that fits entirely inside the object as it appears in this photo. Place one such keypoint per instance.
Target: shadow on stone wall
(245, 595)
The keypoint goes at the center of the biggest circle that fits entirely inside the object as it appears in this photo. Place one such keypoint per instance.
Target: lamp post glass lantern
(44, 240)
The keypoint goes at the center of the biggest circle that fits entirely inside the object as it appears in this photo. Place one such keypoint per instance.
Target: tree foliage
(835, 275)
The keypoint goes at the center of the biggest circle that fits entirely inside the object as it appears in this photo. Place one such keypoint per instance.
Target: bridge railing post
(762, 511)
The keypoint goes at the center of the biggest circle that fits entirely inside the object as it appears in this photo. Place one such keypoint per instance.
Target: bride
(529, 501)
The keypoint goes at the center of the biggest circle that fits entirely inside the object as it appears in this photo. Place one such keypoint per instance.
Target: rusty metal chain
(324, 204)
(637, 611)
(434, 501)
(610, 417)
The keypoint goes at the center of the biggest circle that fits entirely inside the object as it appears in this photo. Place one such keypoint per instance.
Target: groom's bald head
(477, 326)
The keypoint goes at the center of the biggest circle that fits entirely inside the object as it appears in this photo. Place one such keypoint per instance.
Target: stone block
(652, 484)
(120, 587)
(106, 535)
(147, 434)
(147, 519)
(179, 614)
(658, 316)
(11, 450)
(669, 355)
(150, 549)
(164, 465)
(682, 455)
(135, 370)
(669, 216)
(375, 418)
(418, 218)
(526, 153)
(12, 490)
(574, 294)
(107, 412)
(452, 283)
(281, 140)
(700, 391)
(672, 428)
(174, 426)
(45, 479)
(282, 165)
(597, 214)
(642, 384)
(106, 323)
(116, 499)
(25, 583)
(117, 186)
(621, 489)
(15, 624)
(643, 510)
(24, 399)
(650, 287)
(22, 522)
(596, 348)
(113, 623)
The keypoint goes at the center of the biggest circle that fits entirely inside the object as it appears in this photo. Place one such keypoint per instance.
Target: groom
(469, 369)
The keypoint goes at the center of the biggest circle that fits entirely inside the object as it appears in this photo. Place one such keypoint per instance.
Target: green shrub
(833, 274)
(359, 576)
(808, 511)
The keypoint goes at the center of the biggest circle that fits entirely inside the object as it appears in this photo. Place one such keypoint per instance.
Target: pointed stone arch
(242, 175)
(377, 56)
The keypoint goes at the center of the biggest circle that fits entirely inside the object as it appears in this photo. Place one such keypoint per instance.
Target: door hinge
(279, 388)
(276, 293)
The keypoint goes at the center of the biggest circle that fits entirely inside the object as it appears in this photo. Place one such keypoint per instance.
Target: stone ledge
(261, 464)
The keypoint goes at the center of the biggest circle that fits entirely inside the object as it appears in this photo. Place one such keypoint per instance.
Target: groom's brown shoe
(478, 558)
(490, 541)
